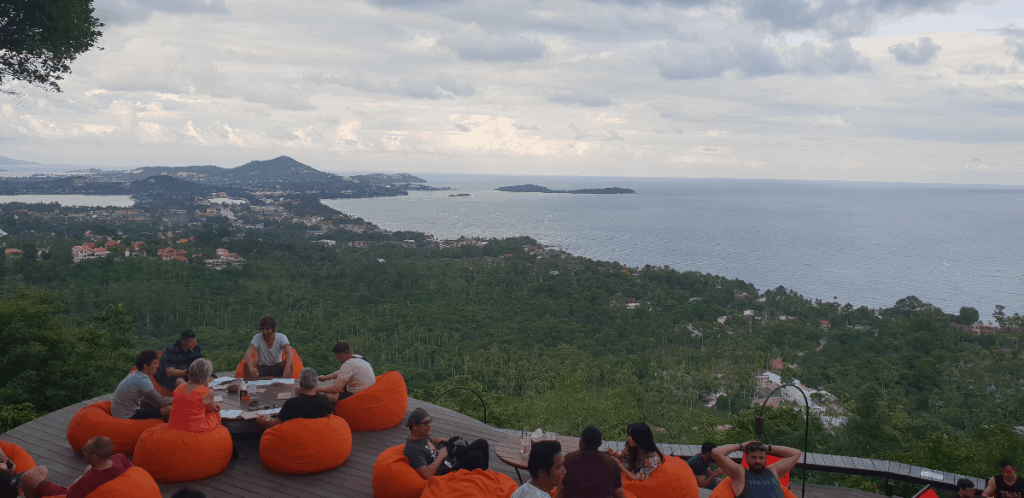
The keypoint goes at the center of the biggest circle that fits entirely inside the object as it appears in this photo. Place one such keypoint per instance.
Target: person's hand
(717, 472)
(215, 407)
(442, 453)
(322, 378)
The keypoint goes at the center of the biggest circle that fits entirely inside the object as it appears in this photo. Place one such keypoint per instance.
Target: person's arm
(325, 378)
(288, 358)
(211, 406)
(249, 366)
(734, 470)
(150, 396)
(990, 489)
(428, 471)
(790, 457)
(341, 378)
(267, 421)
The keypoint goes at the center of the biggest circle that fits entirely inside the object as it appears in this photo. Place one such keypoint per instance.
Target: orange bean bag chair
(296, 365)
(394, 478)
(96, 420)
(22, 460)
(306, 445)
(156, 385)
(724, 490)
(672, 479)
(134, 482)
(171, 455)
(378, 407)
(470, 484)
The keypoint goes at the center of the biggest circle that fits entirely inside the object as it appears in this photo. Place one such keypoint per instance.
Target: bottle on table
(243, 394)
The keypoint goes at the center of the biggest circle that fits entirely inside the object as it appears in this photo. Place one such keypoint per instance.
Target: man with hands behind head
(760, 480)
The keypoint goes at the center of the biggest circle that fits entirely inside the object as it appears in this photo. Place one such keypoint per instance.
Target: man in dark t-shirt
(176, 359)
(589, 472)
(760, 480)
(306, 403)
(429, 460)
(700, 464)
(1007, 484)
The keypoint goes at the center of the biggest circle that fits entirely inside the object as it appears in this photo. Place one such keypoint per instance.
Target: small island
(459, 195)
(544, 190)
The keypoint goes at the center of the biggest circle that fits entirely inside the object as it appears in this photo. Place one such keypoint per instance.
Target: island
(544, 190)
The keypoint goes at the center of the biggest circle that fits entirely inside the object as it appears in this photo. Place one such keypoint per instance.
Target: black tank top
(764, 484)
(1004, 490)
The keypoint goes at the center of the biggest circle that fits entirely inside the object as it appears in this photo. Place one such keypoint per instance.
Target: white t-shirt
(357, 374)
(269, 355)
(528, 490)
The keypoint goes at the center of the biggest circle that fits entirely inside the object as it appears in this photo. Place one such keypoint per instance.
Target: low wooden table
(510, 451)
(266, 399)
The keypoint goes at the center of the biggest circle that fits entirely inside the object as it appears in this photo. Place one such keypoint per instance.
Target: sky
(866, 90)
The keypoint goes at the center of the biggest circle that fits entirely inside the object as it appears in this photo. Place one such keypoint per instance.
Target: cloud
(838, 19)
(472, 43)
(758, 60)
(1015, 41)
(599, 136)
(993, 136)
(983, 68)
(581, 97)
(127, 11)
(915, 54)
(439, 87)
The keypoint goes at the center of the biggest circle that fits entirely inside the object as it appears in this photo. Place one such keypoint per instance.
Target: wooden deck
(45, 439)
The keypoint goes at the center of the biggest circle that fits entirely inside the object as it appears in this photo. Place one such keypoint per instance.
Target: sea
(862, 243)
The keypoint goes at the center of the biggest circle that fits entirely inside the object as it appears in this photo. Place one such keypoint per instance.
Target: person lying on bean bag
(393, 477)
(104, 466)
(194, 408)
(760, 480)
(430, 460)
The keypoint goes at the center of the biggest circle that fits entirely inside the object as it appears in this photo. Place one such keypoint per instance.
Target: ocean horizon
(866, 243)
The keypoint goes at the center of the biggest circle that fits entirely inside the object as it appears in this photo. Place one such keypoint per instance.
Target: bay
(72, 200)
(858, 242)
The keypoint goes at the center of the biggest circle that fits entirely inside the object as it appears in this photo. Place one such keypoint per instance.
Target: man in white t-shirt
(354, 375)
(264, 357)
(546, 471)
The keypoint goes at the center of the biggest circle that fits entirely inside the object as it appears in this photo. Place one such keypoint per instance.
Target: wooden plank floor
(45, 439)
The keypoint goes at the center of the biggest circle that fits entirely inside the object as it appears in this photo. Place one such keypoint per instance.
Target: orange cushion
(296, 365)
(96, 420)
(393, 477)
(470, 484)
(724, 490)
(171, 455)
(156, 385)
(134, 482)
(672, 479)
(22, 460)
(306, 445)
(378, 407)
(625, 493)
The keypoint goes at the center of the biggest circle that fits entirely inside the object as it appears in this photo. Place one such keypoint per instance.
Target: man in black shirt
(700, 464)
(429, 460)
(176, 359)
(1006, 484)
(306, 403)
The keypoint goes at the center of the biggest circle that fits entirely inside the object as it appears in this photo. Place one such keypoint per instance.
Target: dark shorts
(344, 394)
(271, 370)
(146, 412)
(47, 488)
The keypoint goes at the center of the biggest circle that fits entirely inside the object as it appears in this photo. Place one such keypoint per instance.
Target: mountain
(281, 168)
(6, 161)
(389, 178)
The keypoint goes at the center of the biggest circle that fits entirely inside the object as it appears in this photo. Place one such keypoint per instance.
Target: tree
(968, 316)
(1000, 314)
(40, 38)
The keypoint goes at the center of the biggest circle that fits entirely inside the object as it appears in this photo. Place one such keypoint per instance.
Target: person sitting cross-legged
(194, 407)
(104, 466)
(760, 480)
(267, 348)
(307, 403)
(546, 470)
(354, 375)
(135, 396)
(429, 460)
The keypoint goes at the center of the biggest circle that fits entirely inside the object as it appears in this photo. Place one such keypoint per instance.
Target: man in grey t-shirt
(264, 356)
(135, 396)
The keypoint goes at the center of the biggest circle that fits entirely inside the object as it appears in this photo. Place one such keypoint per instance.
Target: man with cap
(429, 460)
(966, 488)
(176, 359)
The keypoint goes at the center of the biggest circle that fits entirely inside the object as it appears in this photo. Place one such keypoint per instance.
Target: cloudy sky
(883, 90)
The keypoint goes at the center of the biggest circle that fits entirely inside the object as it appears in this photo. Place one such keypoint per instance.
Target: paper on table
(284, 395)
(262, 382)
(288, 380)
(272, 411)
(220, 380)
(257, 391)
(218, 399)
(230, 413)
(248, 415)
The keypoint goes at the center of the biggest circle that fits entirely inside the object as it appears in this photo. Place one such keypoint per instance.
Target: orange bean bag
(724, 490)
(171, 455)
(672, 479)
(96, 420)
(296, 365)
(470, 484)
(22, 460)
(378, 407)
(306, 445)
(134, 482)
(156, 385)
(394, 478)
